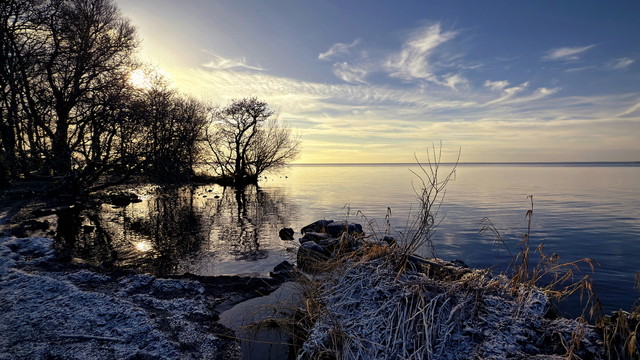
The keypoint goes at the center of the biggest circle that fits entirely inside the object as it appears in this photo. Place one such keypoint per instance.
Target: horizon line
(483, 163)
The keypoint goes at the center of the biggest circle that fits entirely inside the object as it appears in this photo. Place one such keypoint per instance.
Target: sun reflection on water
(143, 246)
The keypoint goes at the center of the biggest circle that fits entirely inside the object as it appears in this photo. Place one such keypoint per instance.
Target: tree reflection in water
(242, 218)
(181, 229)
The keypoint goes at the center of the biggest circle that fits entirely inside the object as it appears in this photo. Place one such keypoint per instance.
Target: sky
(382, 81)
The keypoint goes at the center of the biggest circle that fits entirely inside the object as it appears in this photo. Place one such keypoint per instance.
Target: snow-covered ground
(50, 311)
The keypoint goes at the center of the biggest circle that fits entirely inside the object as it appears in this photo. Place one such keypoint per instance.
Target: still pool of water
(580, 210)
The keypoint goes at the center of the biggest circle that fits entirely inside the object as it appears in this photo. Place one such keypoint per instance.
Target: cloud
(413, 61)
(349, 73)
(566, 53)
(338, 48)
(619, 64)
(220, 63)
(344, 119)
(634, 110)
(455, 80)
(496, 85)
(508, 93)
(581, 68)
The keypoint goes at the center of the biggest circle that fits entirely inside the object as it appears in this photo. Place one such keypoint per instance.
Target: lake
(579, 210)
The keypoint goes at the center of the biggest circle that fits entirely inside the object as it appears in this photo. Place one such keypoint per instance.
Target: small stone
(286, 234)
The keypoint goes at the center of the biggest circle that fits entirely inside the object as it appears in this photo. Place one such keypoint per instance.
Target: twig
(90, 337)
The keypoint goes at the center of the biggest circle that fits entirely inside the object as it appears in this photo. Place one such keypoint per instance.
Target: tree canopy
(70, 112)
(246, 139)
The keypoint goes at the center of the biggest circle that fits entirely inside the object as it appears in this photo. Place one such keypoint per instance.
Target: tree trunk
(61, 153)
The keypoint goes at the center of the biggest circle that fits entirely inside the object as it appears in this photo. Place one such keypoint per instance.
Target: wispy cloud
(220, 63)
(567, 53)
(581, 68)
(621, 63)
(413, 61)
(634, 110)
(337, 48)
(350, 73)
(455, 81)
(508, 93)
(338, 119)
(496, 85)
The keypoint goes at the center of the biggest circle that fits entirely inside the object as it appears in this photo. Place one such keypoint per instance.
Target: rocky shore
(369, 300)
(53, 310)
(373, 300)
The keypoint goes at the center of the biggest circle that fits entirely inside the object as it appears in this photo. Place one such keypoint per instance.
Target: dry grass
(364, 309)
(620, 333)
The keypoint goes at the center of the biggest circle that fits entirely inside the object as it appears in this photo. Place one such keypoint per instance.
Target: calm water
(580, 210)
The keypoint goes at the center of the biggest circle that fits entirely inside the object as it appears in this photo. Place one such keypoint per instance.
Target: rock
(459, 263)
(315, 236)
(318, 226)
(36, 225)
(123, 198)
(286, 234)
(327, 242)
(336, 229)
(391, 241)
(283, 271)
(54, 210)
(311, 256)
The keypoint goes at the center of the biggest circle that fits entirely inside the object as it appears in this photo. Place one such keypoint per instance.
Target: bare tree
(245, 140)
(63, 77)
(173, 129)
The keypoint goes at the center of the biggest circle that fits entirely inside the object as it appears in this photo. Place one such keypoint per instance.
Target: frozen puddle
(268, 341)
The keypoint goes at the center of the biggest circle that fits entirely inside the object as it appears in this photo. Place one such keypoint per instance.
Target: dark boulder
(336, 229)
(318, 226)
(315, 236)
(283, 271)
(286, 234)
(327, 242)
(311, 256)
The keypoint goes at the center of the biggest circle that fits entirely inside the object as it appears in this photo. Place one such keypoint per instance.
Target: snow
(80, 314)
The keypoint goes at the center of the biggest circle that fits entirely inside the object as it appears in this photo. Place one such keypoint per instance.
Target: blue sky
(366, 81)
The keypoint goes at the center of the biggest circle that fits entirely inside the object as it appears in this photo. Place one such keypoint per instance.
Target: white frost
(85, 315)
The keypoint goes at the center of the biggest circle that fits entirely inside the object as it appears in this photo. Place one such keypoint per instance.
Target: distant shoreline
(525, 163)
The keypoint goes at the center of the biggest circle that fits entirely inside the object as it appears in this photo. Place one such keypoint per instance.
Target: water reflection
(243, 238)
(199, 229)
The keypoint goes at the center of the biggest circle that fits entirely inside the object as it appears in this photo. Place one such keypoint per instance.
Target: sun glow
(139, 79)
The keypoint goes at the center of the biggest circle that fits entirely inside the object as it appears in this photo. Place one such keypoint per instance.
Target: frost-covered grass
(367, 310)
(80, 314)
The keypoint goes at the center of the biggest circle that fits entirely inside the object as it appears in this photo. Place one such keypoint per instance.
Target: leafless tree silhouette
(246, 139)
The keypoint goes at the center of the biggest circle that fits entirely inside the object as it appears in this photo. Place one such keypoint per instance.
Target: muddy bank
(51, 309)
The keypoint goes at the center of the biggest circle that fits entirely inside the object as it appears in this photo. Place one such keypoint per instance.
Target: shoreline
(52, 308)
